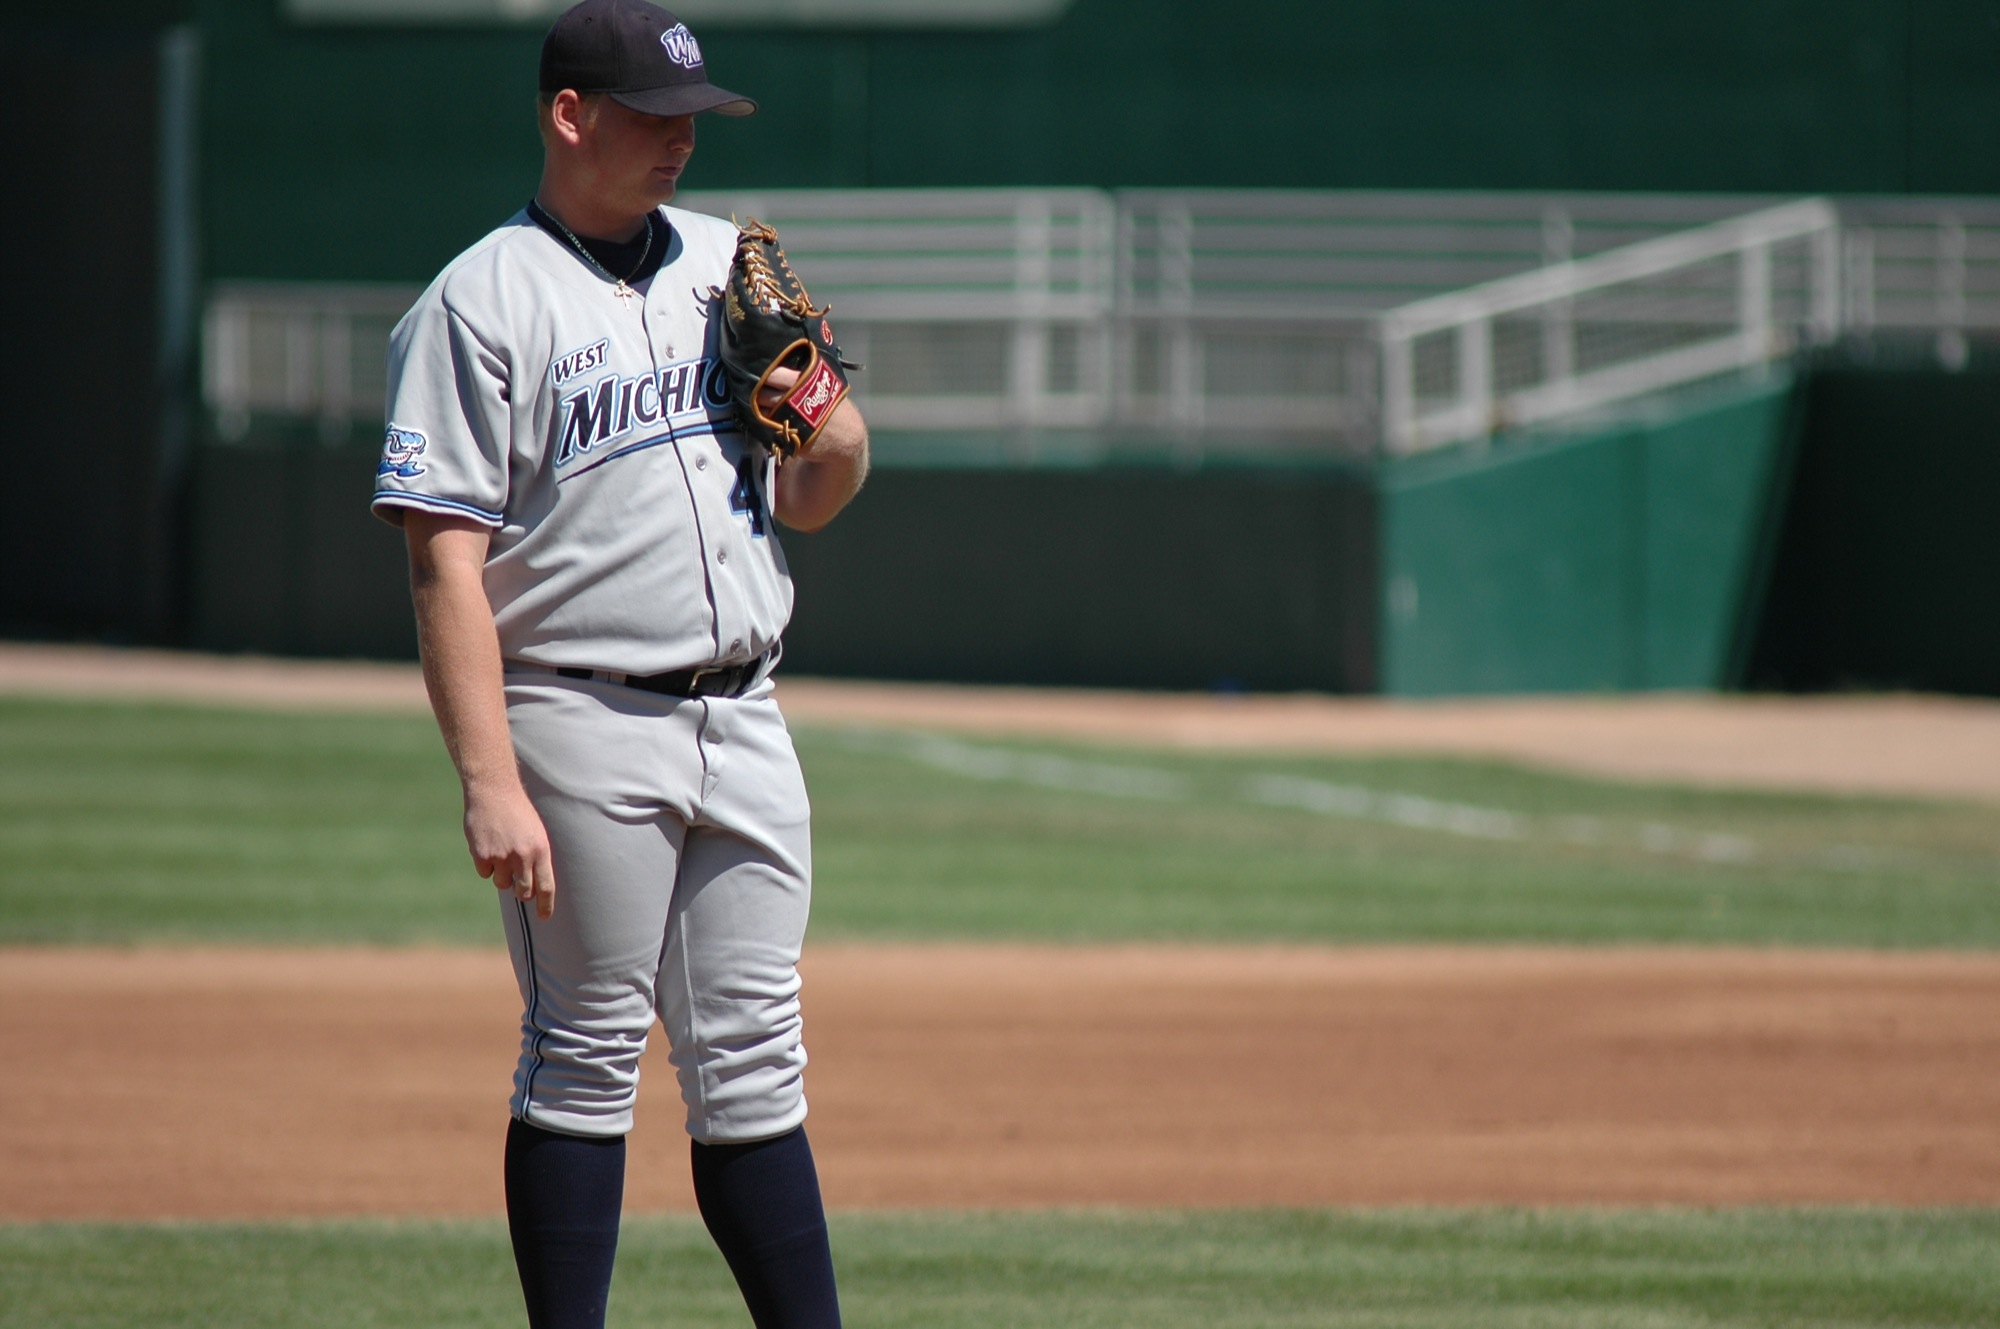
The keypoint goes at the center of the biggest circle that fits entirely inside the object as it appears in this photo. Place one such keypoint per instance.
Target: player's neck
(589, 217)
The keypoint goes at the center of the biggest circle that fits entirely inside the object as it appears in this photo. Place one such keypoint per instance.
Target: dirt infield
(1933, 746)
(244, 1083)
(239, 1082)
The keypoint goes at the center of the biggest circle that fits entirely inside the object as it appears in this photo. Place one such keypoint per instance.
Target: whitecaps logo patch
(400, 451)
(681, 46)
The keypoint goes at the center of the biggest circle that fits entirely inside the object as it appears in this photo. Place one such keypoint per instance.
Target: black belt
(723, 681)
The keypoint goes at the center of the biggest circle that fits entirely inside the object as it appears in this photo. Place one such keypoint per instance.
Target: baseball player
(600, 592)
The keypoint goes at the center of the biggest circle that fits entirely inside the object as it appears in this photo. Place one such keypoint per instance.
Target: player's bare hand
(775, 387)
(510, 845)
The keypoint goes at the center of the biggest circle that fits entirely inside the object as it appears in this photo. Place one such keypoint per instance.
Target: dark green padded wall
(378, 153)
(1633, 557)
(1888, 573)
(1117, 577)
(1953, 120)
(1621, 558)
(80, 517)
(285, 557)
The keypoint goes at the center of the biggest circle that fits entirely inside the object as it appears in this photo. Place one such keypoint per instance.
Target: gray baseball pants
(683, 862)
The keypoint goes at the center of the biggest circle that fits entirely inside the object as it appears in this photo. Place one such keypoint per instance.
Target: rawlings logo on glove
(769, 323)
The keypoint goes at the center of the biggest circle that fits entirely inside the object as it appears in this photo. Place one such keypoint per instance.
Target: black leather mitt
(768, 322)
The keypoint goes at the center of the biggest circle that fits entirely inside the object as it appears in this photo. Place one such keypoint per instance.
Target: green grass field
(125, 822)
(1492, 1269)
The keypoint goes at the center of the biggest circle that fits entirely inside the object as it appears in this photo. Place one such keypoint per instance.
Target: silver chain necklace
(620, 286)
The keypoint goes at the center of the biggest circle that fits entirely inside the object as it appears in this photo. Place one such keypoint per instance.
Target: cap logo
(681, 46)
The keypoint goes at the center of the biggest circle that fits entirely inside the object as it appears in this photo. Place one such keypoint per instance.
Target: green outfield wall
(1888, 566)
(1622, 557)
(1832, 529)
(1229, 578)
(284, 557)
(377, 153)
(84, 453)
(1247, 578)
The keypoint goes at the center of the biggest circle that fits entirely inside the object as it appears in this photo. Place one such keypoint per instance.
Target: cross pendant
(624, 292)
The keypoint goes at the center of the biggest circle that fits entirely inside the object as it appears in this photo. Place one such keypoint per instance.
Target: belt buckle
(698, 674)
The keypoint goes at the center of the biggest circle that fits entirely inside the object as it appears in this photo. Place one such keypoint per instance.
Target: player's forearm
(462, 671)
(461, 662)
(814, 487)
(462, 674)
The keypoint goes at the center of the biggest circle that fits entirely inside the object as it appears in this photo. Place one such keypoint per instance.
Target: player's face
(636, 159)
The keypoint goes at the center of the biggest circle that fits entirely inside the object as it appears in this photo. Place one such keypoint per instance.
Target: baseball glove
(769, 321)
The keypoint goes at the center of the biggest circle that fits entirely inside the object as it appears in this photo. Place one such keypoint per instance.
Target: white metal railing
(1620, 324)
(1922, 266)
(1259, 320)
(1248, 317)
(1313, 253)
(311, 350)
(975, 308)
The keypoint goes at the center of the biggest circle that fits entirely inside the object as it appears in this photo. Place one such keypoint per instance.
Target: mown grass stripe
(1438, 1269)
(123, 822)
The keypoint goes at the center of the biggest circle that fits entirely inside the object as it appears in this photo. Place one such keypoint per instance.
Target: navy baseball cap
(638, 54)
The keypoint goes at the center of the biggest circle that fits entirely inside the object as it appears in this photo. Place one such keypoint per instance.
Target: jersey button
(701, 463)
(722, 555)
(736, 646)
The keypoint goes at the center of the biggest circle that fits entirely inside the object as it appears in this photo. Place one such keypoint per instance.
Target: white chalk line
(1415, 812)
(1042, 770)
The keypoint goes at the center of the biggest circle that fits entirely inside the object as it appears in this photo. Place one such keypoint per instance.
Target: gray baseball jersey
(631, 527)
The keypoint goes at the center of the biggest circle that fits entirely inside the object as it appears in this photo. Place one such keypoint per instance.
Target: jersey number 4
(748, 498)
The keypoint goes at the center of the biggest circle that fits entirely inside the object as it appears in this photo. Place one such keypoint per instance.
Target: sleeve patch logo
(681, 46)
(400, 451)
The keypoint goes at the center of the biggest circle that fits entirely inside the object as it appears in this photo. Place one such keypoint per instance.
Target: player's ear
(567, 115)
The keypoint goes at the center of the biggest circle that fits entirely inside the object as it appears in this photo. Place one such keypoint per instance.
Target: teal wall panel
(1506, 571)
(1608, 560)
(378, 153)
(1711, 482)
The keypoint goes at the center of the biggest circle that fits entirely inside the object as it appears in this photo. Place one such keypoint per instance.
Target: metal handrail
(1329, 320)
(1477, 409)
(1648, 258)
(308, 329)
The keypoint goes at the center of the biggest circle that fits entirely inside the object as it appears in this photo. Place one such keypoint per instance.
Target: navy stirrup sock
(761, 1203)
(563, 1197)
